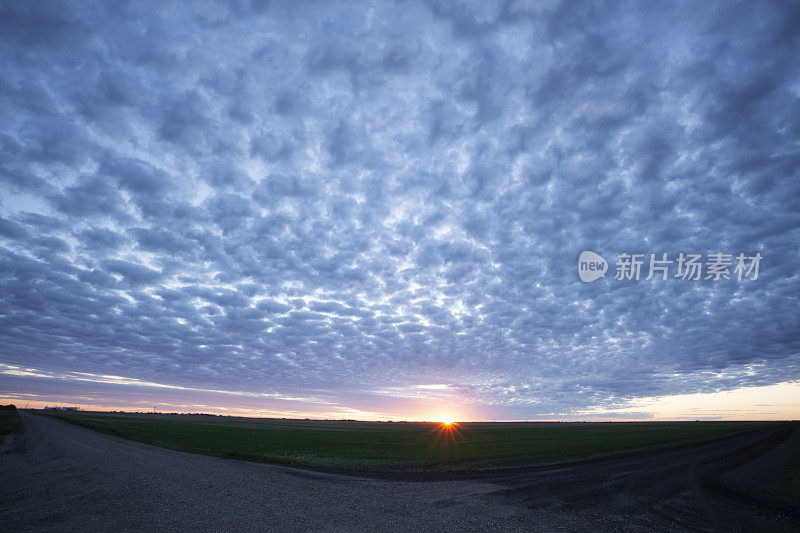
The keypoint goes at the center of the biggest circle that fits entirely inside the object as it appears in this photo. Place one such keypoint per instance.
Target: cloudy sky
(375, 210)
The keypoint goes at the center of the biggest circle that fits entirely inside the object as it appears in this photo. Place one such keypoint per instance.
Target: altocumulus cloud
(351, 202)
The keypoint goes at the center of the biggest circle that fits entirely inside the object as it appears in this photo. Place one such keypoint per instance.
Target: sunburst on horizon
(447, 420)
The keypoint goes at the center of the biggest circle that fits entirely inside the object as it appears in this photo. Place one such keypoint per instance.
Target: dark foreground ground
(59, 477)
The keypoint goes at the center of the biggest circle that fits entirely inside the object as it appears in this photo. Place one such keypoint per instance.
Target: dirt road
(56, 476)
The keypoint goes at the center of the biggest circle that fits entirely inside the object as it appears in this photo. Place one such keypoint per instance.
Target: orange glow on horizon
(768, 402)
(447, 420)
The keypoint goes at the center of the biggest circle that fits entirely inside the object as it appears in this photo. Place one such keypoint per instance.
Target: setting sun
(447, 420)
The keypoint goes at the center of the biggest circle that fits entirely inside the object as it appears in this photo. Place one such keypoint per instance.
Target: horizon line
(426, 421)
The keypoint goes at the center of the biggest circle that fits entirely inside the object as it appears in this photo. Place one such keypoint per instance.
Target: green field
(402, 446)
(9, 419)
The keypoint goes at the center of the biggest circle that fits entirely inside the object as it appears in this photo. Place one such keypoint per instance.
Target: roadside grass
(793, 486)
(393, 446)
(9, 420)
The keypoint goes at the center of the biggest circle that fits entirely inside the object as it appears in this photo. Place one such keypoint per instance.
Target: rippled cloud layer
(354, 204)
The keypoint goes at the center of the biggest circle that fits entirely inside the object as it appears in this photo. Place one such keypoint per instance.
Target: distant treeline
(9, 407)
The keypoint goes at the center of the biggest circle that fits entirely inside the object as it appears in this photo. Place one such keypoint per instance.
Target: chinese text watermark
(684, 266)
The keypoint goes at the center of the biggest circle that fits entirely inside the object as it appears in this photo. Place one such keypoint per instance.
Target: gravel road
(59, 477)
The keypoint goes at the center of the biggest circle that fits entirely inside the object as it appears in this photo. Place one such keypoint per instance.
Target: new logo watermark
(591, 266)
(688, 267)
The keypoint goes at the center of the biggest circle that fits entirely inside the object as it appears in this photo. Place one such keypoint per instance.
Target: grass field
(8, 422)
(392, 445)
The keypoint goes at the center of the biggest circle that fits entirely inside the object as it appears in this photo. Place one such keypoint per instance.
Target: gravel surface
(56, 476)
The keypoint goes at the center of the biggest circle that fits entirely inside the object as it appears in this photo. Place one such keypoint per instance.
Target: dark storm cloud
(349, 201)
